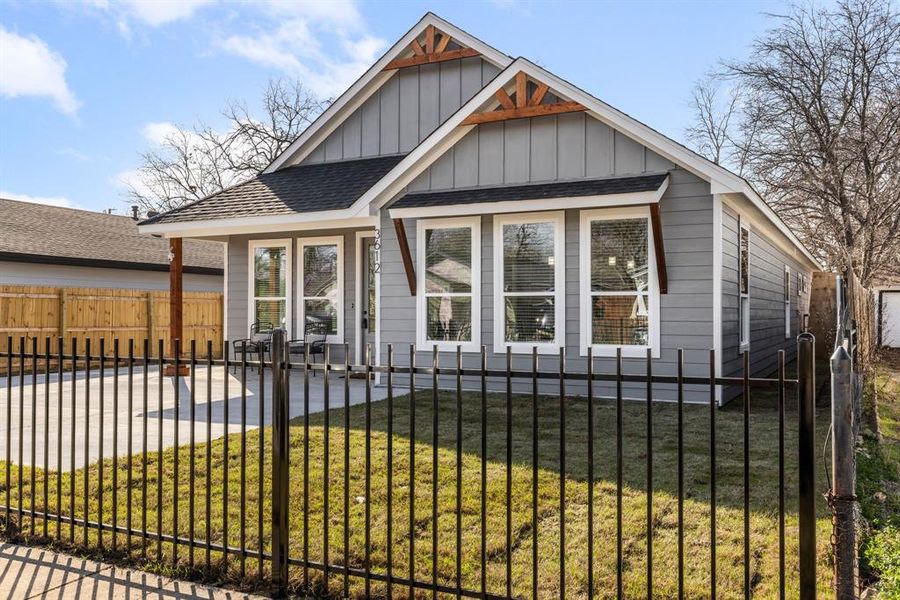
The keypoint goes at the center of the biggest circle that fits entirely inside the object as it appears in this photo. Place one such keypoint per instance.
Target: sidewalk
(27, 572)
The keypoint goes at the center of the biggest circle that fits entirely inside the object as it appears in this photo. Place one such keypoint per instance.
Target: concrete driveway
(40, 414)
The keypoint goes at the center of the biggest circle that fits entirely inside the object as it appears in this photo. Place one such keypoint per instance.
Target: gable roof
(373, 79)
(297, 189)
(722, 181)
(37, 233)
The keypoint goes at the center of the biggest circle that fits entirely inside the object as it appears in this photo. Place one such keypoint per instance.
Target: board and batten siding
(405, 110)
(766, 271)
(685, 312)
(237, 319)
(551, 148)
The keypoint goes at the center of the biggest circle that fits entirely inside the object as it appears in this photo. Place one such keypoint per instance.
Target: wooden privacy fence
(105, 313)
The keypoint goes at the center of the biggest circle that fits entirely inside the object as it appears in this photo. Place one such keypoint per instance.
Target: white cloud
(158, 133)
(45, 200)
(28, 67)
(297, 40)
(161, 12)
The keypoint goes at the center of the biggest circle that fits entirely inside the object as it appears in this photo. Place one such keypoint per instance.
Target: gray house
(457, 197)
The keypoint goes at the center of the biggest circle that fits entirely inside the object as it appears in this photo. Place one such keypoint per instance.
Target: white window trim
(557, 219)
(359, 351)
(337, 240)
(252, 245)
(744, 329)
(422, 344)
(787, 303)
(587, 216)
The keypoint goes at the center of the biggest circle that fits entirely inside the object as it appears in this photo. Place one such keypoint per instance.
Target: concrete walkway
(43, 416)
(27, 572)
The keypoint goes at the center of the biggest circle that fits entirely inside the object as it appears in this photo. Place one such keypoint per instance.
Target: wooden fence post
(842, 497)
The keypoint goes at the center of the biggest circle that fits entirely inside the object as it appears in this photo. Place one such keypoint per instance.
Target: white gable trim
(721, 180)
(369, 83)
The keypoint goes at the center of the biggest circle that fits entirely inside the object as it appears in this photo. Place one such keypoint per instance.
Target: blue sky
(85, 87)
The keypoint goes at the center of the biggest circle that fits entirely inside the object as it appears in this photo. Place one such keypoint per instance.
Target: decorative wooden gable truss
(432, 49)
(527, 101)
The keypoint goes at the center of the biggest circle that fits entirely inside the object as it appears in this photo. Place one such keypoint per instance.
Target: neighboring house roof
(296, 189)
(562, 189)
(37, 233)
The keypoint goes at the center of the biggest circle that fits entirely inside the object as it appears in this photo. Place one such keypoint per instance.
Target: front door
(369, 312)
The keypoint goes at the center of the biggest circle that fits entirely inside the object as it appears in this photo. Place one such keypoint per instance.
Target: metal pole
(843, 464)
(280, 444)
(806, 375)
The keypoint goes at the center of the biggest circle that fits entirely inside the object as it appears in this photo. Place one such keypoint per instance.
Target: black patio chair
(315, 338)
(258, 343)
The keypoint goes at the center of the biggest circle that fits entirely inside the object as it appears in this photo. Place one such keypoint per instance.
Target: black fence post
(280, 445)
(806, 375)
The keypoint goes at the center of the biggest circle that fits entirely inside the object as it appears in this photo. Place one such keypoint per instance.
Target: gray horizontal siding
(237, 311)
(17, 273)
(766, 271)
(405, 110)
(551, 148)
(685, 312)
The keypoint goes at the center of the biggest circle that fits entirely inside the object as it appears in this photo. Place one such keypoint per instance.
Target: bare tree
(192, 163)
(817, 130)
(715, 117)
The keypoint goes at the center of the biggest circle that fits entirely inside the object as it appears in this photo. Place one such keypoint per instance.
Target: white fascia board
(369, 83)
(523, 206)
(262, 224)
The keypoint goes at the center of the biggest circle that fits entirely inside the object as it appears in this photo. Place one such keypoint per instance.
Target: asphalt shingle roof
(296, 189)
(538, 191)
(52, 234)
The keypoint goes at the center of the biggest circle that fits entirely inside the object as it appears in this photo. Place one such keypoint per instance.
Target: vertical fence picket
(33, 463)
(509, 532)
(226, 401)
(459, 472)
(346, 473)
(619, 469)
(9, 401)
(21, 473)
(649, 442)
(326, 467)
(368, 473)
(87, 436)
(129, 439)
(60, 370)
(145, 388)
(535, 466)
(483, 513)
(680, 469)
(192, 449)
(434, 471)
(33, 447)
(72, 438)
(712, 473)
(412, 469)
(159, 448)
(102, 411)
(590, 472)
(242, 506)
(746, 448)
(208, 470)
(260, 416)
(306, 368)
(390, 473)
(47, 433)
(562, 472)
(176, 416)
(781, 573)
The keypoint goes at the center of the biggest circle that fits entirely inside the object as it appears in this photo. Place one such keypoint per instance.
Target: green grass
(763, 499)
(878, 482)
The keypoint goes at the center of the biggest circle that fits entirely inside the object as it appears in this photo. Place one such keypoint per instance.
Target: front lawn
(763, 521)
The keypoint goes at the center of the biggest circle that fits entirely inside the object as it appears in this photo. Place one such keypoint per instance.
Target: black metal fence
(497, 497)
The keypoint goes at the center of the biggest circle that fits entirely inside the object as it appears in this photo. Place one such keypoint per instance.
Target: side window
(744, 283)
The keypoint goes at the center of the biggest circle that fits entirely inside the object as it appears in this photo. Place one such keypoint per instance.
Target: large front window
(620, 299)
(449, 280)
(321, 286)
(529, 272)
(269, 284)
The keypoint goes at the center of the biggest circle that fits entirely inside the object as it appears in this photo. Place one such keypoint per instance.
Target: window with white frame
(529, 275)
(787, 301)
(449, 281)
(744, 284)
(321, 286)
(270, 284)
(619, 286)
